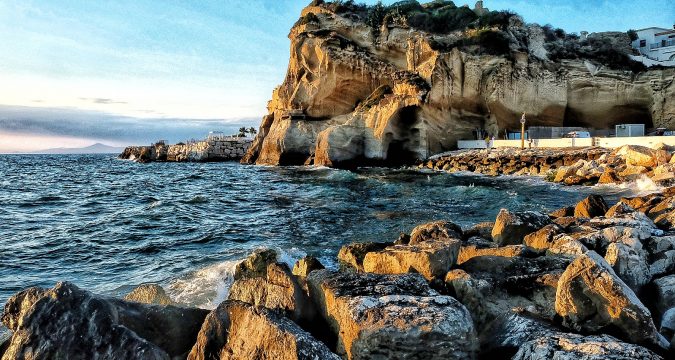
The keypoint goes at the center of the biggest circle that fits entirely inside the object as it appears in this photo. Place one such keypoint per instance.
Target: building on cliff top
(656, 46)
(479, 9)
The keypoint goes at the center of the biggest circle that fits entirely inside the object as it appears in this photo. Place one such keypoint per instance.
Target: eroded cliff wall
(399, 94)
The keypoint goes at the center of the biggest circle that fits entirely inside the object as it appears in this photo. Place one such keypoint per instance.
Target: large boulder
(629, 264)
(278, 289)
(510, 228)
(255, 265)
(591, 207)
(351, 256)
(236, 330)
(67, 322)
(468, 252)
(591, 297)
(664, 297)
(386, 316)
(542, 239)
(636, 155)
(437, 230)
(431, 258)
(306, 265)
(149, 294)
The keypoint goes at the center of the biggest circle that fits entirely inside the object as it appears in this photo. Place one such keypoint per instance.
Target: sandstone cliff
(379, 88)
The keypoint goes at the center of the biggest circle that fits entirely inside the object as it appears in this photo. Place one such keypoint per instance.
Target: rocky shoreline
(210, 150)
(585, 282)
(569, 166)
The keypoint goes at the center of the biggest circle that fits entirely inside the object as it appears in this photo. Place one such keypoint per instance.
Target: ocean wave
(199, 199)
(206, 287)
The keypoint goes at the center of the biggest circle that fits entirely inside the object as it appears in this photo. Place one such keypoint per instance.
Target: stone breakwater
(201, 151)
(587, 281)
(570, 166)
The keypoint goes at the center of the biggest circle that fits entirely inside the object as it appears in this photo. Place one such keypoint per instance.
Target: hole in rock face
(403, 142)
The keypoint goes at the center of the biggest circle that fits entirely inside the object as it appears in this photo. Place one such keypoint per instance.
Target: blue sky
(153, 62)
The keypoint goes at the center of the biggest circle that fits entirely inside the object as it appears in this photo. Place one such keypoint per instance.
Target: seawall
(228, 149)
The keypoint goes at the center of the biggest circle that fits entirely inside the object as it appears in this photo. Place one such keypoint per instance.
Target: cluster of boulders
(588, 281)
(571, 166)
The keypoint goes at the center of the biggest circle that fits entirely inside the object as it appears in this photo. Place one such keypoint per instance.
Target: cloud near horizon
(36, 128)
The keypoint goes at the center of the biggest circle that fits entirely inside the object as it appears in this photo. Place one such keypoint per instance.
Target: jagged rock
(566, 245)
(278, 289)
(352, 255)
(578, 347)
(667, 327)
(521, 337)
(542, 239)
(67, 322)
(665, 293)
(255, 265)
(636, 155)
(591, 207)
(490, 286)
(483, 230)
(469, 252)
(403, 239)
(621, 208)
(510, 228)
(149, 294)
(591, 297)
(629, 264)
(431, 258)
(306, 265)
(609, 177)
(437, 230)
(661, 254)
(236, 330)
(385, 316)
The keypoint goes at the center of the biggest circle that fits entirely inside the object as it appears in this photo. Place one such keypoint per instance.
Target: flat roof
(654, 27)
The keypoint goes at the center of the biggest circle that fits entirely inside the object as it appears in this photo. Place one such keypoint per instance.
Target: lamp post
(522, 132)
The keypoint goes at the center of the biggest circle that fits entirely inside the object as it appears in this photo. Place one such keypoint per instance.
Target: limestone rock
(306, 265)
(629, 264)
(437, 230)
(609, 177)
(510, 228)
(636, 155)
(591, 207)
(665, 293)
(431, 258)
(389, 316)
(352, 255)
(66, 322)
(149, 294)
(577, 347)
(279, 290)
(469, 252)
(542, 239)
(591, 297)
(256, 264)
(483, 230)
(237, 330)
(562, 212)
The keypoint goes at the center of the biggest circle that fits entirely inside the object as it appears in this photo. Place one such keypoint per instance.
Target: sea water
(108, 225)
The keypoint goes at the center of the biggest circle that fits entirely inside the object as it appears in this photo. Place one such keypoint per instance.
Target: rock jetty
(588, 281)
(231, 149)
(570, 166)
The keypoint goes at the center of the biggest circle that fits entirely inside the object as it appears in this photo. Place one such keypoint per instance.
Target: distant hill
(97, 148)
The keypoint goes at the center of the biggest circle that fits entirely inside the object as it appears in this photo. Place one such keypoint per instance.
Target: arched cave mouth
(617, 115)
(402, 142)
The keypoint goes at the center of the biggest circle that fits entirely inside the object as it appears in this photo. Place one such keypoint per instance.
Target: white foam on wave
(642, 186)
(207, 287)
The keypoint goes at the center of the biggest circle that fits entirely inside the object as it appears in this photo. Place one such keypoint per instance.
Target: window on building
(643, 43)
(664, 43)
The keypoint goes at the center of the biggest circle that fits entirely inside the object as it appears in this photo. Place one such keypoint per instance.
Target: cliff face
(399, 94)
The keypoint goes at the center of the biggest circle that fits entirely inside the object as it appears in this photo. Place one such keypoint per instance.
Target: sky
(129, 71)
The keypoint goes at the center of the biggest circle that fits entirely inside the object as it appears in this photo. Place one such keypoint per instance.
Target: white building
(656, 46)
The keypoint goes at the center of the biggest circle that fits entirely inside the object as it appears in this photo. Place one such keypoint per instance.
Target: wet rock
(510, 228)
(278, 289)
(437, 230)
(306, 265)
(236, 330)
(591, 297)
(352, 255)
(591, 207)
(256, 264)
(385, 316)
(67, 322)
(149, 294)
(431, 258)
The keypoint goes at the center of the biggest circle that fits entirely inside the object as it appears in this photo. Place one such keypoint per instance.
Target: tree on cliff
(243, 131)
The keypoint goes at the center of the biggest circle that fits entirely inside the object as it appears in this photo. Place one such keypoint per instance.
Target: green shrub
(498, 19)
(632, 34)
(310, 18)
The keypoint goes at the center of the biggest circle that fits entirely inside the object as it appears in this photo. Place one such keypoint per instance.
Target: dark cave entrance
(402, 143)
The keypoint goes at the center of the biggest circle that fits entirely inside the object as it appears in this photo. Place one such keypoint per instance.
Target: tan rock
(149, 294)
(591, 297)
(352, 255)
(510, 228)
(437, 230)
(431, 258)
(636, 155)
(306, 265)
(590, 207)
(609, 176)
(542, 239)
(467, 253)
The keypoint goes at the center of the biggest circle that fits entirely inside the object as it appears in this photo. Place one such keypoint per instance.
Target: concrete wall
(649, 141)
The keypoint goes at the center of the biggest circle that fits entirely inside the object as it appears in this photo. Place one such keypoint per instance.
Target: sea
(108, 225)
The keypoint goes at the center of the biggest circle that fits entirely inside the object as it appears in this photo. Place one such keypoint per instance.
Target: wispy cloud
(103, 101)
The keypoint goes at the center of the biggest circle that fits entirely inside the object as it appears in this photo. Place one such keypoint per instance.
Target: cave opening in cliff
(608, 118)
(403, 140)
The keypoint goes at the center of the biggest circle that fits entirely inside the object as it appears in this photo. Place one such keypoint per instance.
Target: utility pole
(522, 132)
